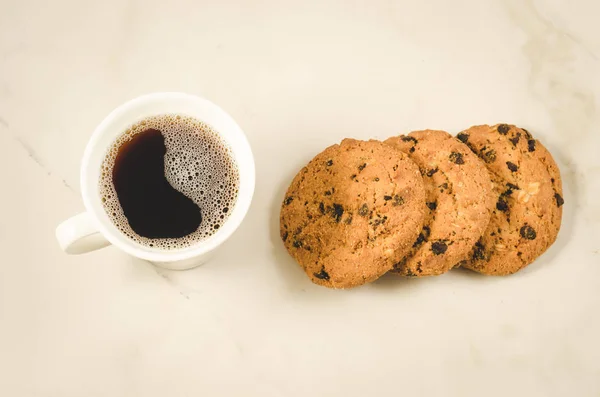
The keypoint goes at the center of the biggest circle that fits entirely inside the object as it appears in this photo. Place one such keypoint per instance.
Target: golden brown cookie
(459, 200)
(352, 212)
(528, 190)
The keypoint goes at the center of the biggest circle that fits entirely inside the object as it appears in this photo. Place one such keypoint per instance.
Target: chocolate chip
(552, 180)
(411, 150)
(378, 221)
(439, 247)
(328, 193)
(362, 166)
(527, 134)
(423, 236)
(512, 166)
(297, 244)
(409, 139)
(489, 156)
(376, 179)
(322, 275)
(306, 203)
(531, 145)
(432, 205)
(298, 230)
(432, 171)
(284, 236)
(519, 253)
(426, 231)
(443, 186)
(506, 193)
(420, 240)
(387, 198)
(503, 129)
(395, 167)
(516, 138)
(348, 220)
(559, 200)
(322, 208)
(353, 176)
(463, 137)
(512, 186)
(479, 251)
(502, 205)
(528, 232)
(329, 163)
(398, 200)
(456, 158)
(363, 210)
(419, 267)
(337, 212)
(288, 200)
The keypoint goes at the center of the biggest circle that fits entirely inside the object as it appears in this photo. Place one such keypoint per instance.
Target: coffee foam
(198, 163)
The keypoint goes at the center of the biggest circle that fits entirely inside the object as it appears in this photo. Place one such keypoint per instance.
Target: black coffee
(169, 181)
(153, 208)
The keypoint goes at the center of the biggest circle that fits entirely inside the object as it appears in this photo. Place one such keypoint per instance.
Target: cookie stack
(421, 204)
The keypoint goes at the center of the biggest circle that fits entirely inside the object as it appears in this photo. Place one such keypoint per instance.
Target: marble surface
(297, 76)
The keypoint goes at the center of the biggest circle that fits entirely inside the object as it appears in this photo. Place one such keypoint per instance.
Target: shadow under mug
(93, 228)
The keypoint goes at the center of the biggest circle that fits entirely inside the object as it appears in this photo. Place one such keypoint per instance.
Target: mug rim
(243, 201)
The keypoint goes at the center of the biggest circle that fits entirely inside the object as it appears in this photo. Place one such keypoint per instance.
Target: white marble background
(297, 76)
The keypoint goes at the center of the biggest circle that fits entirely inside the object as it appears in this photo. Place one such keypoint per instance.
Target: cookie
(528, 190)
(352, 212)
(458, 198)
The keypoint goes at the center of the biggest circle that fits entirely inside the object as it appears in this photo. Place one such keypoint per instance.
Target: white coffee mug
(93, 229)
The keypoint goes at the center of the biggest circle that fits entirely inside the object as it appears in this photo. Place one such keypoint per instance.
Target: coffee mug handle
(78, 235)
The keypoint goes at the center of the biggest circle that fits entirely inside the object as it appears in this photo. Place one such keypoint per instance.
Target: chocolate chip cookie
(528, 191)
(458, 198)
(352, 212)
